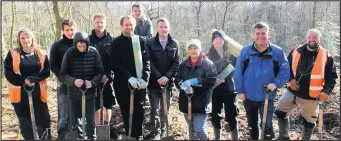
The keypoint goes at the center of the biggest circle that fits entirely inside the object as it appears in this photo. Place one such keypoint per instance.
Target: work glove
(188, 83)
(133, 82)
(322, 97)
(143, 84)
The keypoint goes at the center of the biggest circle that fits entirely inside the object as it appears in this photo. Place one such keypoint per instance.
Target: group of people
(101, 62)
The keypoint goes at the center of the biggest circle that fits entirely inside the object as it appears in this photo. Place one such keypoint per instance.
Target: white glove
(143, 84)
(133, 82)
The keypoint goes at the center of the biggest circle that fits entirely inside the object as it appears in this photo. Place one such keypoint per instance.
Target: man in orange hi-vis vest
(28, 66)
(313, 77)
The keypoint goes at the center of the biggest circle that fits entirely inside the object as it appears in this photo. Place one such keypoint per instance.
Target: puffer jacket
(205, 72)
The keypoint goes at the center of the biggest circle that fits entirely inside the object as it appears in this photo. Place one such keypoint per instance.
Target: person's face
(313, 39)
(193, 51)
(99, 24)
(261, 36)
(128, 26)
(218, 42)
(137, 12)
(25, 40)
(69, 31)
(81, 46)
(163, 29)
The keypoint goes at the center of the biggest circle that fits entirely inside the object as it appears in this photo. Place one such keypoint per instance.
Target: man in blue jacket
(260, 63)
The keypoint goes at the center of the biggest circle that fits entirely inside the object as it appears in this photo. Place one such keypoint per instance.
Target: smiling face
(193, 51)
(163, 29)
(128, 26)
(218, 42)
(313, 39)
(261, 36)
(25, 40)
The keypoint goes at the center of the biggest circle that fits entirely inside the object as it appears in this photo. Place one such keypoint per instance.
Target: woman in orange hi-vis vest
(28, 66)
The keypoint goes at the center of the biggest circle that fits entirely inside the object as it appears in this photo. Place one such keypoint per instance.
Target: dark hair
(137, 6)
(261, 25)
(165, 20)
(129, 17)
(68, 22)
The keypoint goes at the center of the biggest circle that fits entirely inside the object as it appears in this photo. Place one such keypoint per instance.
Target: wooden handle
(131, 104)
(189, 111)
(320, 123)
(165, 105)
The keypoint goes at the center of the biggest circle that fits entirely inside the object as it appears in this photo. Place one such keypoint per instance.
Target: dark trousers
(63, 111)
(157, 116)
(42, 118)
(123, 99)
(255, 108)
(76, 107)
(231, 111)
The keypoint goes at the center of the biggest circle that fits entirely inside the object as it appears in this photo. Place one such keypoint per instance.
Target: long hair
(227, 54)
(29, 33)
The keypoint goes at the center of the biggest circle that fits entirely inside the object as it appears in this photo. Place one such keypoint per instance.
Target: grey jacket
(144, 28)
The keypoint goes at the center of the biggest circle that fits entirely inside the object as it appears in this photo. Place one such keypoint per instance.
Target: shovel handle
(30, 104)
(320, 128)
(265, 111)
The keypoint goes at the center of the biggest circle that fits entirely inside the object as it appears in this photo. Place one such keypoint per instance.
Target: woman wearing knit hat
(224, 93)
(82, 68)
(197, 69)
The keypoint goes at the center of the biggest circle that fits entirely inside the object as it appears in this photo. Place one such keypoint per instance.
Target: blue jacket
(260, 71)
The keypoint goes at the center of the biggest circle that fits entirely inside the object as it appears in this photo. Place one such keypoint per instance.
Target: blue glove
(189, 90)
(185, 85)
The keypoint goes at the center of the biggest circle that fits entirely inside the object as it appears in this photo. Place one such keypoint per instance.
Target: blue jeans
(199, 121)
(253, 108)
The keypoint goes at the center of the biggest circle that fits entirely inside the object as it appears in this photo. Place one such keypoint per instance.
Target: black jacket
(205, 72)
(305, 62)
(122, 61)
(57, 52)
(85, 66)
(103, 46)
(163, 62)
(29, 69)
(220, 63)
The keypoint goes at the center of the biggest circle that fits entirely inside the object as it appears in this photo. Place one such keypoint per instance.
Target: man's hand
(163, 80)
(143, 84)
(293, 84)
(272, 87)
(323, 97)
(78, 83)
(88, 84)
(104, 79)
(218, 82)
(241, 96)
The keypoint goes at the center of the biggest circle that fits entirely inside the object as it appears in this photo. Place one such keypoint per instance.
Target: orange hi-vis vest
(15, 91)
(317, 73)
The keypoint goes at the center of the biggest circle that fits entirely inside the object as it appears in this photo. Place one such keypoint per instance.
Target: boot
(306, 133)
(217, 133)
(234, 134)
(283, 126)
(254, 133)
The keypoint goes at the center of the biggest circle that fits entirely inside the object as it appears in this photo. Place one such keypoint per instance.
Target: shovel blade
(103, 132)
(124, 137)
(71, 136)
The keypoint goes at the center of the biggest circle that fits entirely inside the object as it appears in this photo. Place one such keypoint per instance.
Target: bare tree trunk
(314, 15)
(13, 22)
(58, 19)
(225, 12)
(89, 17)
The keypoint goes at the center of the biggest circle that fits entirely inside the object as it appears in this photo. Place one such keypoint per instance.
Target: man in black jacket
(312, 77)
(224, 93)
(164, 61)
(101, 39)
(123, 65)
(82, 67)
(57, 52)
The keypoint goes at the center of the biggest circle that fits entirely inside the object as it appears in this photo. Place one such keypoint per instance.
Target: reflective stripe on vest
(14, 92)
(317, 73)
